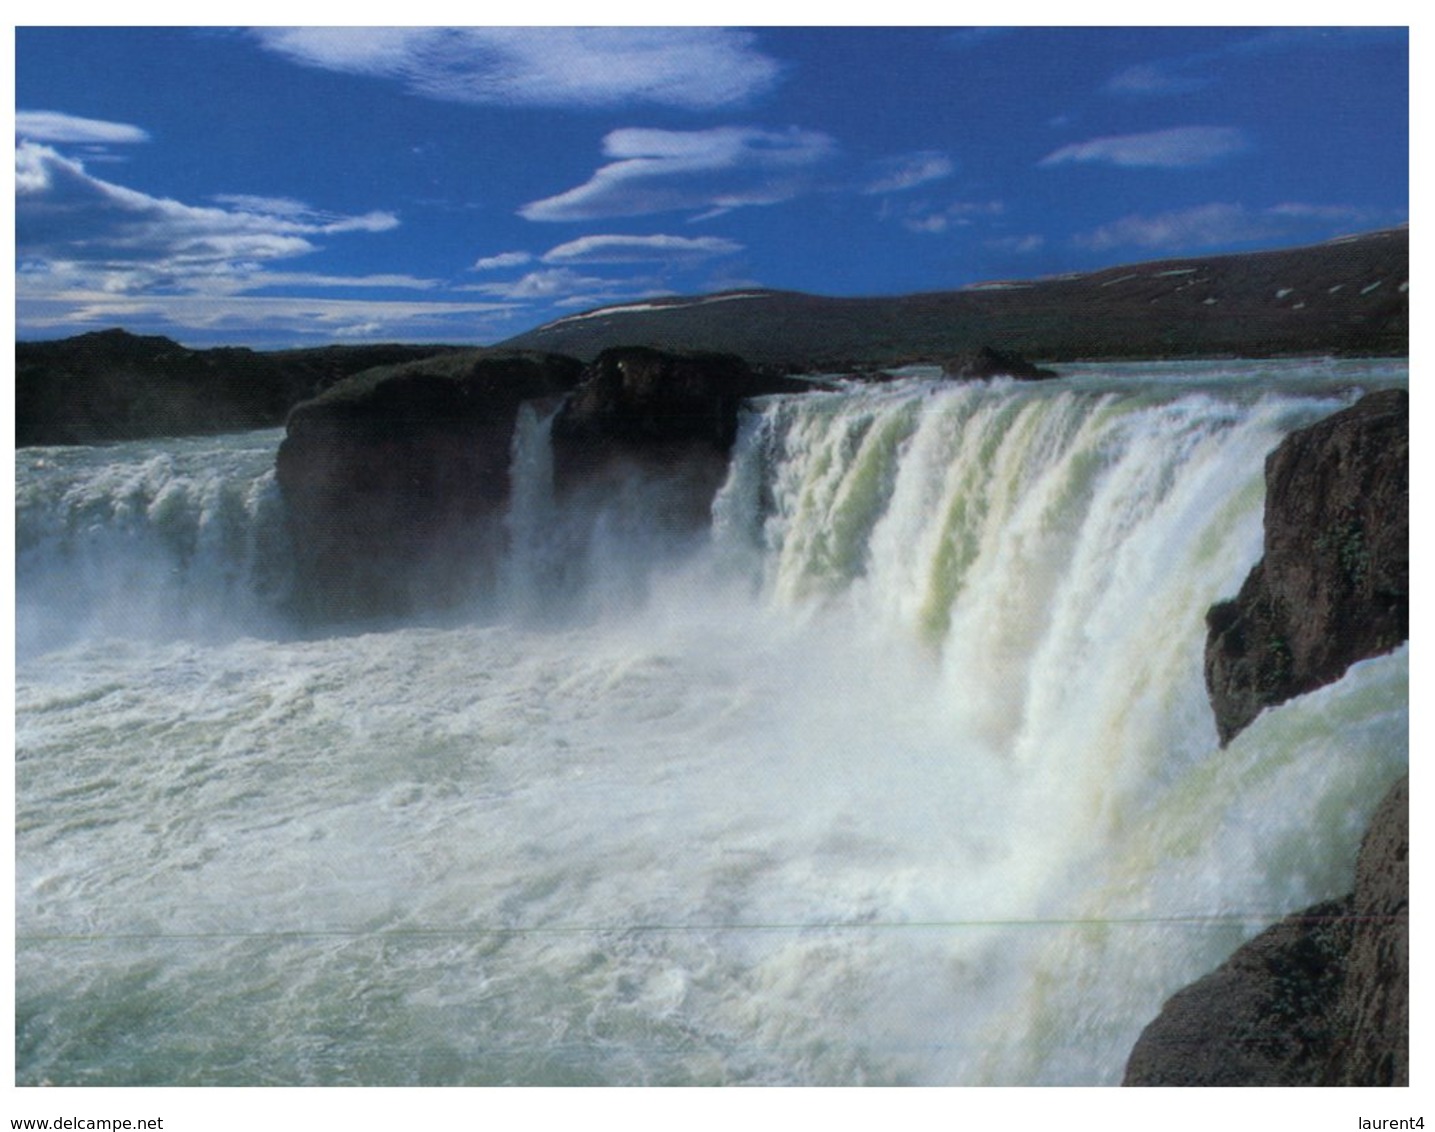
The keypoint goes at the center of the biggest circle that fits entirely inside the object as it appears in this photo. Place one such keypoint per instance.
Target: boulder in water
(983, 363)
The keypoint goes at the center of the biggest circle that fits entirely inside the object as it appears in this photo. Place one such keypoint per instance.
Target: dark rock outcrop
(641, 410)
(649, 403)
(974, 365)
(112, 385)
(1264, 1017)
(395, 480)
(1333, 585)
(1373, 1038)
(1321, 998)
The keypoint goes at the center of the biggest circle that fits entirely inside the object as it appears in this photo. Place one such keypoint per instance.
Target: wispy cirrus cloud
(564, 287)
(1187, 73)
(1158, 78)
(545, 284)
(283, 211)
(1207, 225)
(60, 128)
(1341, 214)
(926, 217)
(94, 233)
(558, 285)
(711, 171)
(503, 261)
(677, 250)
(898, 174)
(1222, 223)
(1018, 245)
(1181, 147)
(692, 68)
(240, 282)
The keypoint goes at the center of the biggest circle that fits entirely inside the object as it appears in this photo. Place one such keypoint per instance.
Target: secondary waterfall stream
(902, 773)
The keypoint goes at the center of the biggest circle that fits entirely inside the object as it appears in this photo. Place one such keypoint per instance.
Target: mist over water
(901, 773)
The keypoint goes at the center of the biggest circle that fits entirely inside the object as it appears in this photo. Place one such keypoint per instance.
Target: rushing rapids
(902, 772)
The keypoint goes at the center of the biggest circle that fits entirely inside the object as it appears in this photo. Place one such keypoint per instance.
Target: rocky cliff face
(1333, 585)
(661, 416)
(1321, 998)
(1371, 1046)
(395, 480)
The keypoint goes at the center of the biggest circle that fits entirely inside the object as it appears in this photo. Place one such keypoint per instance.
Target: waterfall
(181, 537)
(903, 772)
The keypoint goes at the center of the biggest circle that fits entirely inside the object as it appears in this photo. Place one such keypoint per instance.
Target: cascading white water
(906, 775)
(153, 539)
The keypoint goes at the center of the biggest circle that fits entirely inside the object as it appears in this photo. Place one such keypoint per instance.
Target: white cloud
(269, 279)
(93, 233)
(502, 260)
(283, 210)
(1179, 148)
(558, 285)
(1192, 72)
(59, 128)
(924, 216)
(561, 287)
(1018, 245)
(691, 67)
(264, 206)
(356, 50)
(545, 285)
(898, 174)
(377, 221)
(671, 170)
(1221, 224)
(1208, 225)
(1155, 78)
(1332, 214)
(641, 249)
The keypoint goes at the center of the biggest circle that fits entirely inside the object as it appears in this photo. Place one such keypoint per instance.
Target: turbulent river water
(903, 772)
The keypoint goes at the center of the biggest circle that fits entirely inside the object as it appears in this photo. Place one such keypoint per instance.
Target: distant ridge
(113, 385)
(1346, 296)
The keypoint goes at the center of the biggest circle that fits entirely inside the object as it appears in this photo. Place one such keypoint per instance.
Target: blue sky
(283, 187)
